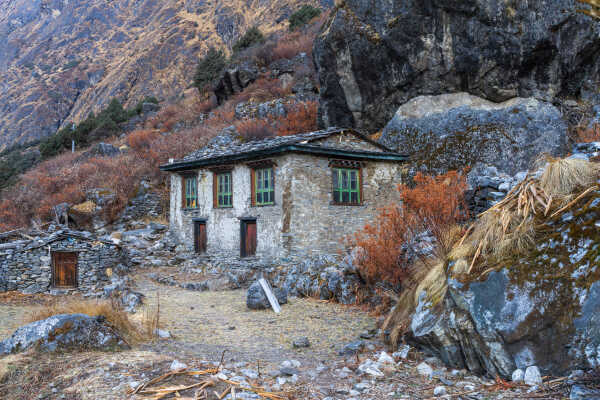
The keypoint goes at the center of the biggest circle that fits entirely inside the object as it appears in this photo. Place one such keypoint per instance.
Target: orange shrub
(263, 89)
(301, 117)
(587, 135)
(433, 204)
(255, 129)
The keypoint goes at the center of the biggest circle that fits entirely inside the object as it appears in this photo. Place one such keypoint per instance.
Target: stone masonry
(26, 266)
(303, 221)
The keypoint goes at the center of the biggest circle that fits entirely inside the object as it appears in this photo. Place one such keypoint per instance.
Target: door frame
(243, 223)
(200, 221)
(53, 269)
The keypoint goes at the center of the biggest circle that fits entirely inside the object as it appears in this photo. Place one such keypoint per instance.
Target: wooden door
(64, 271)
(248, 245)
(200, 236)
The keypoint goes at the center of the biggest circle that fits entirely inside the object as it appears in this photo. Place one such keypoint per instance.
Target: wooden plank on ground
(270, 295)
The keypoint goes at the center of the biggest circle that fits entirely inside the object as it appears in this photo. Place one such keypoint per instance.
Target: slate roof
(220, 151)
(46, 239)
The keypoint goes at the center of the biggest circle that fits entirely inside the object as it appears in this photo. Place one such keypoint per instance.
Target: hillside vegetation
(175, 130)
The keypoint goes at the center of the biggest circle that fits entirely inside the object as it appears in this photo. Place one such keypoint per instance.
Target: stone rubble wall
(30, 270)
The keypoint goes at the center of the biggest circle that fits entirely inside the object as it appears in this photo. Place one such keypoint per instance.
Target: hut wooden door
(64, 269)
(200, 236)
(248, 245)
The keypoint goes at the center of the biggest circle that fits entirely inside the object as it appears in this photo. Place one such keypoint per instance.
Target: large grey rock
(257, 300)
(64, 332)
(548, 298)
(234, 80)
(452, 131)
(373, 56)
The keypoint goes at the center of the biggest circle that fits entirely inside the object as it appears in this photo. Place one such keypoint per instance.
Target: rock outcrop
(64, 332)
(541, 308)
(373, 57)
(453, 131)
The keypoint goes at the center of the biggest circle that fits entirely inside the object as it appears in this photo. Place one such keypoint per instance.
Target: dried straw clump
(424, 278)
(509, 227)
(115, 316)
(564, 177)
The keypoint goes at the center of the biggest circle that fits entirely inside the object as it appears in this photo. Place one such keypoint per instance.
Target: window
(190, 192)
(224, 192)
(264, 186)
(346, 186)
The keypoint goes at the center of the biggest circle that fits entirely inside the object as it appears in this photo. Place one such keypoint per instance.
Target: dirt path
(209, 322)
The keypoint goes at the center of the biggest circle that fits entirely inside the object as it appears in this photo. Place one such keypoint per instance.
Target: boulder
(64, 332)
(256, 298)
(374, 57)
(546, 298)
(452, 131)
(234, 80)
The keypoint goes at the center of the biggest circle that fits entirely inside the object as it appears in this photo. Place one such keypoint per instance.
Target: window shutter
(215, 183)
(183, 186)
(253, 187)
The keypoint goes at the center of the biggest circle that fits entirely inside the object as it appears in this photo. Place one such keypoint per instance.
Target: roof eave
(293, 148)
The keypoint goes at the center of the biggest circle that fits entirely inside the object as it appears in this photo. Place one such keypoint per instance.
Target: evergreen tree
(209, 68)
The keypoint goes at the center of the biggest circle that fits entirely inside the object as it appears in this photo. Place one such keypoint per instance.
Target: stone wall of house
(29, 269)
(301, 222)
(317, 226)
(223, 225)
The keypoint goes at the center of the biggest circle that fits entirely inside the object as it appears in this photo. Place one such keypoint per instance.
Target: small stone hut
(281, 197)
(63, 260)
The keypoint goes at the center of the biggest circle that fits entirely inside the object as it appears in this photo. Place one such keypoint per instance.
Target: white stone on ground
(176, 365)
(439, 391)
(385, 358)
(518, 375)
(533, 376)
(424, 369)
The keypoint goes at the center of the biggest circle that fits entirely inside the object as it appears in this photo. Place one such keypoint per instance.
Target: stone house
(63, 260)
(281, 197)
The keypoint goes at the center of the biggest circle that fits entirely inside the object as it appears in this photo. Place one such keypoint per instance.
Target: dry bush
(261, 90)
(292, 45)
(586, 135)
(509, 227)
(564, 176)
(300, 118)
(255, 129)
(115, 316)
(435, 205)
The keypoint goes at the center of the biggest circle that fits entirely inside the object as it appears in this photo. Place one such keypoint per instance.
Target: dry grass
(115, 316)
(563, 177)
(509, 227)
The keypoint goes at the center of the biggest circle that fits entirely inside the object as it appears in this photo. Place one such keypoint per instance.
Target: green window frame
(346, 186)
(224, 190)
(264, 186)
(191, 192)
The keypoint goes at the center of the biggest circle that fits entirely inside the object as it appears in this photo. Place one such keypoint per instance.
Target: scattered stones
(532, 376)
(425, 370)
(177, 365)
(518, 375)
(301, 343)
(352, 348)
(439, 391)
(163, 334)
(385, 358)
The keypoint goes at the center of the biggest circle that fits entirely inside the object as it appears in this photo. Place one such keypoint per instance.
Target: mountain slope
(61, 59)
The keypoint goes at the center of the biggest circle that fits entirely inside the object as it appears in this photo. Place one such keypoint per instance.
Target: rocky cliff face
(374, 56)
(61, 59)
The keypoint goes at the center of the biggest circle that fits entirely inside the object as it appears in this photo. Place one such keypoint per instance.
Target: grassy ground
(221, 320)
